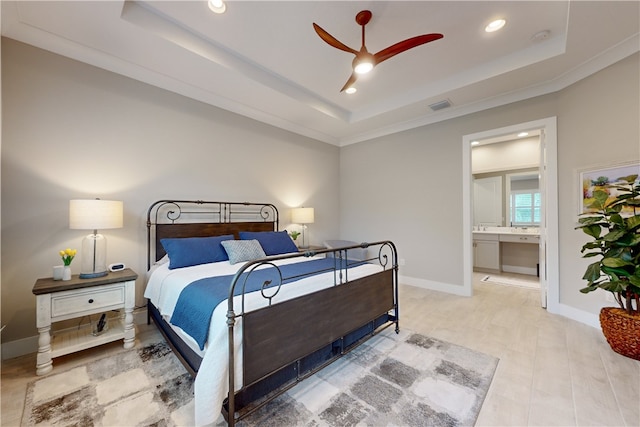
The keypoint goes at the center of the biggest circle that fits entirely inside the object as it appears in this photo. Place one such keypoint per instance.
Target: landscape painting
(600, 179)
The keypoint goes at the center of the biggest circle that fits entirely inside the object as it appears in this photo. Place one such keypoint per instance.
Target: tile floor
(552, 371)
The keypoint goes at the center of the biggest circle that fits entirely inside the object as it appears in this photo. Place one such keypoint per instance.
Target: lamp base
(92, 275)
(94, 251)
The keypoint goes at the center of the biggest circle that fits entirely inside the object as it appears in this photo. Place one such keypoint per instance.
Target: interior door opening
(507, 210)
(536, 208)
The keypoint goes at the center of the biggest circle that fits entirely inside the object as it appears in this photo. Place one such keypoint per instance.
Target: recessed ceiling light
(351, 90)
(495, 25)
(475, 142)
(523, 134)
(217, 6)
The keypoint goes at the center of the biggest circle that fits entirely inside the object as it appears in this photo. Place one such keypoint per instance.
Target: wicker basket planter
(622, 331)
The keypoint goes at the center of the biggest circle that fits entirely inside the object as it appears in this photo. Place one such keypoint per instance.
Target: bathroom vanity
(508, 249)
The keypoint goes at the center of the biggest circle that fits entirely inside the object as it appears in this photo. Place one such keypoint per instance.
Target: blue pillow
(188, 251)
(272, 242)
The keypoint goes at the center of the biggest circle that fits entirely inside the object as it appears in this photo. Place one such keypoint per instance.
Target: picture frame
(590, 179)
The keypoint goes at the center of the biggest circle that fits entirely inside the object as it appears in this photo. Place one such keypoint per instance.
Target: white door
(487, 201)
(542, 257)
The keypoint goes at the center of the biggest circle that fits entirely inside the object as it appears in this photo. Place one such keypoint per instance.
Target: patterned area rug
(141, 387)
(392, 379)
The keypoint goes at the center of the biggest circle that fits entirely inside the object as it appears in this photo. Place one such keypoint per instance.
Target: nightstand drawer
(63, 304)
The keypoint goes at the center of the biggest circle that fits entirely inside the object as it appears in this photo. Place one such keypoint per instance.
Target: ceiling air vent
(440, 105)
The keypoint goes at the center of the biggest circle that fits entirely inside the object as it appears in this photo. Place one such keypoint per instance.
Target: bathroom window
(524, 208)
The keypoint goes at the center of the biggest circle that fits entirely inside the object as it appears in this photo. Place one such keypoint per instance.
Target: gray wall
(408, 186)
(598, 125)
(75, 131)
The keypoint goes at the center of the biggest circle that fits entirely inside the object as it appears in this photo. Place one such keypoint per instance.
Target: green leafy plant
(614, 226)
(294, 234)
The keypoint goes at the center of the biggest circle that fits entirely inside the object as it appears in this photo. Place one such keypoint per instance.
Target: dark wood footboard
(298, 327)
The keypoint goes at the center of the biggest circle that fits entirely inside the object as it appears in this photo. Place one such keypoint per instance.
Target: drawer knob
(91, 301)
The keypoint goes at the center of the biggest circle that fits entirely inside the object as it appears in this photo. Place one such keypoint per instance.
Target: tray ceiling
(263, 60)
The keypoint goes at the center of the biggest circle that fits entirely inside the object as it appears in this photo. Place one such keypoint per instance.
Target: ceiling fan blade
(332, 40)
(407, 44)
(349, 82)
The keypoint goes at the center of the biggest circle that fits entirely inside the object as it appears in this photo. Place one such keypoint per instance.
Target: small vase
(66, 273)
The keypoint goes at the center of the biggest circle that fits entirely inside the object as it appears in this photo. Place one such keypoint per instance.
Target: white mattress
(211, 383)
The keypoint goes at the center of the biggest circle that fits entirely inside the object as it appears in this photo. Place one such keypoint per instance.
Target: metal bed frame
(327, 323)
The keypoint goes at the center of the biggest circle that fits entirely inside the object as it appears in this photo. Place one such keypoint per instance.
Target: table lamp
(93, 215)
(302, 216)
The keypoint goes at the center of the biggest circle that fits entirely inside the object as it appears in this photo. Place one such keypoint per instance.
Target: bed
(278, 315)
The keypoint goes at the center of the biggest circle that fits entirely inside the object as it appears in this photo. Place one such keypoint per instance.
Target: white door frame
(550, 182)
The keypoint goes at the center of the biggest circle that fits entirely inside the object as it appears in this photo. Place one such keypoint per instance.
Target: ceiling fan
(365, 61)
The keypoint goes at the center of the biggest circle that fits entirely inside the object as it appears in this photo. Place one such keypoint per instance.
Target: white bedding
(211, 383)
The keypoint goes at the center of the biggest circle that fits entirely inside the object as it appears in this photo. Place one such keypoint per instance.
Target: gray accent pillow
(243, 250)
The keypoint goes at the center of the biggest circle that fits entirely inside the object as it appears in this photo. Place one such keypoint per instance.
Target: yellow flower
(67, 255)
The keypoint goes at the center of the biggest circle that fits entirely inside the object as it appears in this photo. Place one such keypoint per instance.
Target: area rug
(393, 379)
(140, 387)
(533, 283)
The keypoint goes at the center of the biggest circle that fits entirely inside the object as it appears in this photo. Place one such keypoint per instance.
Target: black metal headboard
(201, 218)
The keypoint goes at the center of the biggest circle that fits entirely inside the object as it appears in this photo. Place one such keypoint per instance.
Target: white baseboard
(434, 286)
(581, 316)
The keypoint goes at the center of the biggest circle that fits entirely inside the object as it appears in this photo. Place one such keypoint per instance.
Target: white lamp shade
(302, 215)
(95, 214)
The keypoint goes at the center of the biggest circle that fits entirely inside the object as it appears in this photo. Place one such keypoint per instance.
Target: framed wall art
(592, 179)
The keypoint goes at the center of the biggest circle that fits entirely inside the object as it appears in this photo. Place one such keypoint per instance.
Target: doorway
(548, 246)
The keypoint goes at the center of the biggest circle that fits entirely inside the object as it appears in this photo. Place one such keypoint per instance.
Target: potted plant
(294, 235)
(614, 226)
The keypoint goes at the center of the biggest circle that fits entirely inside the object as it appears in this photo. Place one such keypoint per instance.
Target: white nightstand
(61, 300)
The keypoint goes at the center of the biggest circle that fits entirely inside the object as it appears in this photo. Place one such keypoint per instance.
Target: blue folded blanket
(197, 300)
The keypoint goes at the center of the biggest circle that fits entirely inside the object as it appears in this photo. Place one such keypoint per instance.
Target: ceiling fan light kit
(363, 64)
(365, 61)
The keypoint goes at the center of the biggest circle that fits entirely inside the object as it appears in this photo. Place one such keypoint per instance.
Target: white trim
(581, 316)
(434, 286)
